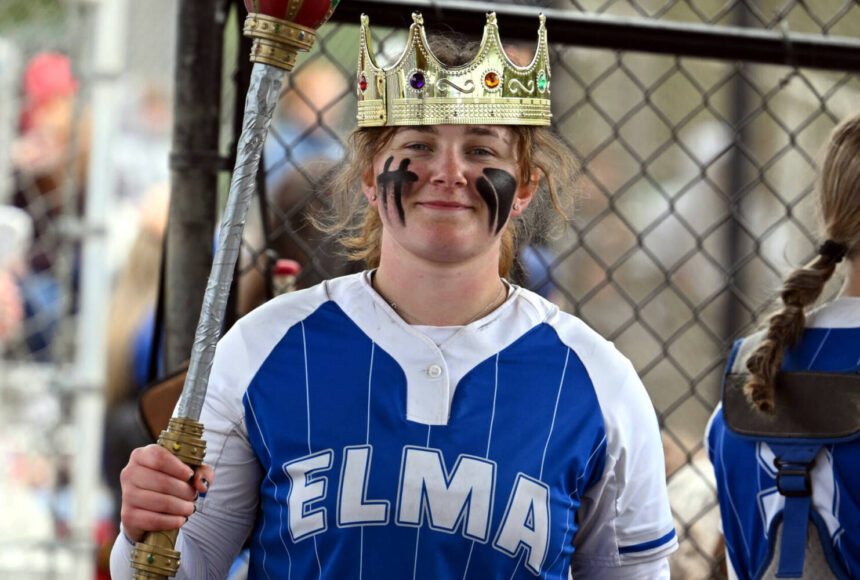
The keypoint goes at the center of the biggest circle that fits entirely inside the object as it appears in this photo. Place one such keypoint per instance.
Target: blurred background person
(46, 162)
(16, 231)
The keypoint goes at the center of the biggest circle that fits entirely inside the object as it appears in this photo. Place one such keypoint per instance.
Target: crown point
(542, 19)
(417, 18)
(491, 18)
(365, 19)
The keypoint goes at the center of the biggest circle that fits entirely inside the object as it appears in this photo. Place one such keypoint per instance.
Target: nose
(449, 169)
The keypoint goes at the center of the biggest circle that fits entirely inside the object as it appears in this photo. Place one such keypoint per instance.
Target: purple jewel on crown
(416, 81)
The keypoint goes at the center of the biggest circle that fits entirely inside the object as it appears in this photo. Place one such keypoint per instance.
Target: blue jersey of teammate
(745, 472)
(353, 445)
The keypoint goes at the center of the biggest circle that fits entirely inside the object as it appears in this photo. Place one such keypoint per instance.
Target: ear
(368, 184)
(525, 194)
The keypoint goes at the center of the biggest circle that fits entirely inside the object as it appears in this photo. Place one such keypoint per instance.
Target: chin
(449, 252)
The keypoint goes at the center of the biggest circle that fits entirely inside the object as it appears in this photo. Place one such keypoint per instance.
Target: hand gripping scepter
(280, 28)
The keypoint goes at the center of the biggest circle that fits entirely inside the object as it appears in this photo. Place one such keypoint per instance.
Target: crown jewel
(421, 90)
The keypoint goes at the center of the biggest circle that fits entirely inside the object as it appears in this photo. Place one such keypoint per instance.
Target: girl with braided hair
(759, 433)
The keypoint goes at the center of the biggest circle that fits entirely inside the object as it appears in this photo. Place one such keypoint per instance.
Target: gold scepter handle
(153, 557)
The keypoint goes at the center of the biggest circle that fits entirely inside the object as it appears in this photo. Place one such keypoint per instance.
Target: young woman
(758, 482)
(424, 418)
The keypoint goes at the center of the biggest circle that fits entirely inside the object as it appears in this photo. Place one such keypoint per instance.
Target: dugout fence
(697, 126)
(696, 123)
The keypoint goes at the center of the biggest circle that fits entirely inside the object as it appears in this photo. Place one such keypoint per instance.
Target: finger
(138, 477)
(160, 503)
(160, 459)
(138, 520)
(203, 478)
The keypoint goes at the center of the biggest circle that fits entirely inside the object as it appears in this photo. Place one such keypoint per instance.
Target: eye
(481, 151)
(417, 146)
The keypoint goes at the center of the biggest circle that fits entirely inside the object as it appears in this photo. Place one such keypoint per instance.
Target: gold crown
(421, 90)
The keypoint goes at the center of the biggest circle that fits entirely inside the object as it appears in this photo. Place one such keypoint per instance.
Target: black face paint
(498, 188)
(396, 179)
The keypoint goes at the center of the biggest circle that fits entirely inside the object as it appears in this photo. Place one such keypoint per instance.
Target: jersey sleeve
(624, 519)
(224, 516)
(214, 534)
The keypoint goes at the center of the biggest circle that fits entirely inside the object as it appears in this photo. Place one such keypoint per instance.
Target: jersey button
(434, 371)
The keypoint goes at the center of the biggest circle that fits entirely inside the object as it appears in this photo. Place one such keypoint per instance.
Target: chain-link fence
(696, 198)
(49, 133)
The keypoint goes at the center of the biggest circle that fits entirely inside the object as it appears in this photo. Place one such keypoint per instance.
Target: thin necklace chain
(406, 315)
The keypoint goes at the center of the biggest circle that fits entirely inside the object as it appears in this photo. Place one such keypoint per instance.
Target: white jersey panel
(621, 513)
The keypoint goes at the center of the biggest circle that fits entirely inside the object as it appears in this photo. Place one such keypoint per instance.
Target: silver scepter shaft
(262, 98)
(154, 557)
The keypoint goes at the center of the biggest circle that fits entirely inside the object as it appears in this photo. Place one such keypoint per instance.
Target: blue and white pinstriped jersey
(746, 476)
(360, 448)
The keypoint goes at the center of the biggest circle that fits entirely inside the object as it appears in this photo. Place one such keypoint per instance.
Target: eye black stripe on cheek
(404, 174)
(505, 188)
(396, 179)
(382, 180)
(488, 192)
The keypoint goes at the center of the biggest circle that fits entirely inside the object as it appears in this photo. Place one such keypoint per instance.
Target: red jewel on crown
(362, 83)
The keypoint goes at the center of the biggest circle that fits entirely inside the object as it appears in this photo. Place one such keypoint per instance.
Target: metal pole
(740, 106)
(108, 64)
(194, 163)
(9, 105)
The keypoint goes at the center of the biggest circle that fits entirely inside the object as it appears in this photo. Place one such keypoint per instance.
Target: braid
(837, 193)
(800, 289)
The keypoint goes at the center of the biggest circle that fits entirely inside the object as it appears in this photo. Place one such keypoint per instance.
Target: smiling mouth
(443, 205)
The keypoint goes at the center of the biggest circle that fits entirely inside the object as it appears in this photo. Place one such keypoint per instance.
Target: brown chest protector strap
(807, 404)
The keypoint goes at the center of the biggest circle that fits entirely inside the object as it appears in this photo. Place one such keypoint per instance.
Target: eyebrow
(423, 128)
(470, 130)
(481, 130)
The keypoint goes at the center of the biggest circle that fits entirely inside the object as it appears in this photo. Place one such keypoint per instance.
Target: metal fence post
(194, 165)
(108, 60)
(737, 178)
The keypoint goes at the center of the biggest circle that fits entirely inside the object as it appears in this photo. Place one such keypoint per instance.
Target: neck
(440, 294)
(851, 286)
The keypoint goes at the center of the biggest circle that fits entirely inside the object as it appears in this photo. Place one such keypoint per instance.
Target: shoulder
(247, 345)
(842, 313)
(611, 373)
(623, 400)
(263, 327)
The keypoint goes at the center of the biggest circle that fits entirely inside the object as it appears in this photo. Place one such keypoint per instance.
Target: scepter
(280, 29)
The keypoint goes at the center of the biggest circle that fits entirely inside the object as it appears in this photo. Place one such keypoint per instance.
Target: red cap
(284, 267)
(48, 75)
(310, 14)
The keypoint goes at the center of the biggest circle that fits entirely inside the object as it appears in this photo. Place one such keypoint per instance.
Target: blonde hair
(838, 191)
(538, 150)
(133, 299)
